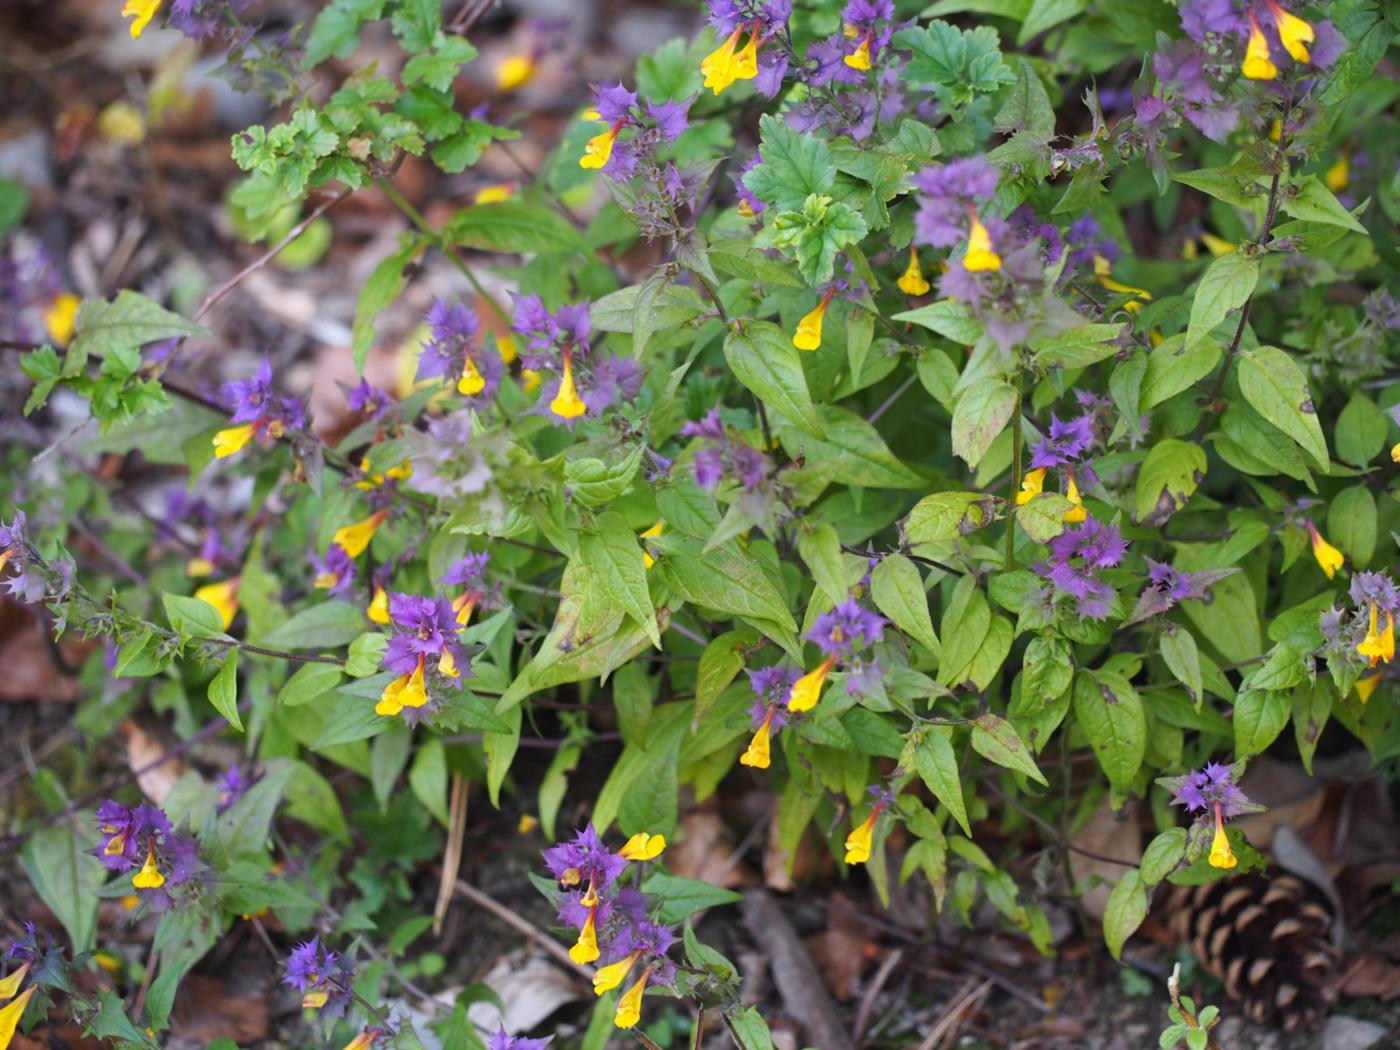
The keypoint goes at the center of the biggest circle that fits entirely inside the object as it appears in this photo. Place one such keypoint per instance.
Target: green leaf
(793, 166)
(223, 691)
(613, 553)
(937, 766)
(336, 30)
(1352, 524)
(720, 664)
(513, 226)
(1110, 713)
(323, 626)
(820, 549)
(749, 1029)
(1078, 347)
(982, 412)
(42, 366)
(1361, 431)
(1126, 908)
(366, 654)
(1043, 517)
(243, 827)
(384, 285)
(1312, 706)
(763, 358)
(428, 778)
(1226, 284)
(851, 453)
(1162, 855)
(14, 202)
(898, 591)
(193, 617)
(963, 61)
(1311, 201)
(1276, 389)
(312, 800)
(67, 878)
(1046, 14)
(1259, 718)
(725, 580)
(681, 898)
(1172, 368)
(671, 305)
(1183, 659)
(310, 682)
(739, 258)
(439, 68)
(950, 319)
(128, 322)
(996, 740)
(1167, 479)
(1027, 105)
(948, 516)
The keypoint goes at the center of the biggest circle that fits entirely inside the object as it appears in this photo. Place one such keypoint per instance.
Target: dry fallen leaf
(703, 850)
(1108, 834)
(204, 1011)
(841, 949)
(142, 749)
(531, 989)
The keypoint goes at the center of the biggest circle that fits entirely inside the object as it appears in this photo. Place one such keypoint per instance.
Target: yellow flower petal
(912, 282)
(223, 597)
(609, 977)
(355, 538)
(1257, 63)
(231, 440)
(143, 11)
(149, 877)
(567, 404)
(980, 256)
(1221, 855)
(629, 1007)
(643, 846)
(9, 987)
(807, 690)
(59, 317)
(11, 1014)
(516, 71)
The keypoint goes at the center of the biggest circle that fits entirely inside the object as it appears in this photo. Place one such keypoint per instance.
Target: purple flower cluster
(425, 628)
(502, 1041)
(1087, 242)
(30, 286)
(367, 399)
(762, 19)
(611, 919)
(449, 351)
(1204, 789)
(950, 194)
(847, 630)
(23, 582)
(141, 839)
(324, 978)
(252, 401)
(724, 455)
(335, 573)
(1077, 555)
(771, 688)
(467, 576)
(1167, 586)
(580, 383)
(1066, 444)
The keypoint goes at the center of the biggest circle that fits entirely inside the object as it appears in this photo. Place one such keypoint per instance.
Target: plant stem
(1015, 478)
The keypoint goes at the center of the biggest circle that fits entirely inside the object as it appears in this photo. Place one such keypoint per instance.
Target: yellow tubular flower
(807, 690)
(516, 71)
(528, 823)
(1257, 63)
(861, 58)
(567, 404)
(447, 664)
(1378, 645)
(609, 977)
(980, 256)
(143, 11)
(728, 62)
(378, 610)
(10, 1015)
(364, 1040)
(643, 846)
(759, 753)
(472, 381)
(861, 839)
(505, 346)
(629, 1007)
(1076, 513)
(1294, 33)
(529, 380)
(406, 690)
(9, 987)
(355, 538)
(223, 597)
(149, 877)
(1220, 854)
(464, 605)
(1366, 686)
(314, 1000)
(585, 949)
(1338, 177)
(59, 316)
(231, 440)
(1216, 245)
(494, 194)
(1395, 453)
(912, 281)
(1032, 485)
(1105, 278)
(599, 149)
(199, 567)
(650, 534)
(809, 330)
(1328, 558)
(746, 209)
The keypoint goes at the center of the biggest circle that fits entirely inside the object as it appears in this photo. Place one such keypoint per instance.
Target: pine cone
(1268, 938)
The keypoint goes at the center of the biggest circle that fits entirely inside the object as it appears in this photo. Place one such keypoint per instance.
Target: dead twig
(452, 855)
(953, 1016)
(804, 995)
(877, 985)
(524, 926)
